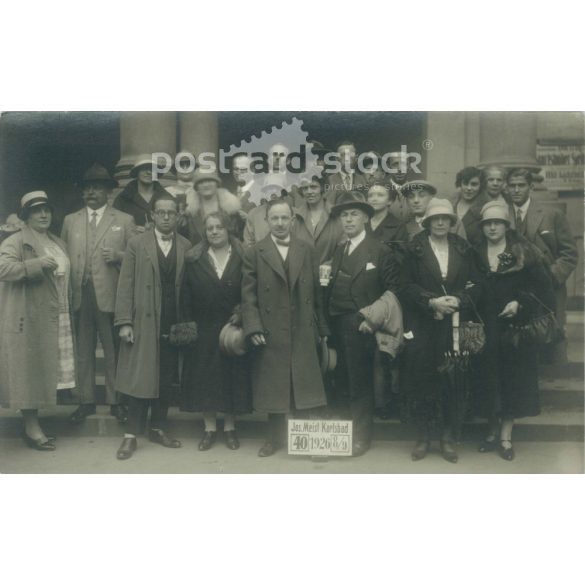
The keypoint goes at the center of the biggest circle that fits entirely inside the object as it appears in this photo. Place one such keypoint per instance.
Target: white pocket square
(116, 228)
(544, 232)
(370, 266)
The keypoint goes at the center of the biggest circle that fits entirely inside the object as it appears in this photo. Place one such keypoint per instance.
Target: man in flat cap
(362, 270)
(96, 237)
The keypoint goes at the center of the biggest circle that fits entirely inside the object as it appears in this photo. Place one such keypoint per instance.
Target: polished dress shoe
(268, 449)
(506, 452)
(231, 440)
(207, 441)
(160, 437)
(359, 448)
(82, 412)
(120, 412)
(420, 450)
(127, 448)
(448, 452)
(488, 445)
(39, 444)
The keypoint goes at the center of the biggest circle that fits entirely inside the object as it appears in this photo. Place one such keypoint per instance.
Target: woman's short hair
(314, 179)
(465, 175)
(489, 168)
(220, 215)
(522, 173)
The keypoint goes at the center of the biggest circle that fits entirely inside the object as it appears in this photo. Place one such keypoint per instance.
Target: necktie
(240, 191)
(519, 222)
(93, 222)
(347, 247)
(347, 181)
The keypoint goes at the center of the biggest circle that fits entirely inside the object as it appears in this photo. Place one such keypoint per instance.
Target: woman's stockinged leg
(32, 426)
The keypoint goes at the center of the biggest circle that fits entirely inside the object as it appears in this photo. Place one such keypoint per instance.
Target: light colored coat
(138, 303)
(113, 231)
(29, 313)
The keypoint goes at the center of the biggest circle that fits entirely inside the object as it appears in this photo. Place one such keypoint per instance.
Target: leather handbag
(183, 334)
(541, 329)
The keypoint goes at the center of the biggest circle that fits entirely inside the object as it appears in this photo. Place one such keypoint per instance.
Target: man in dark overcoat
(283, 318)
(362, 270)
(147, 304)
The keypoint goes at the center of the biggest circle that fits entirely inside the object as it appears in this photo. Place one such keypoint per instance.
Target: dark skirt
(213, 382)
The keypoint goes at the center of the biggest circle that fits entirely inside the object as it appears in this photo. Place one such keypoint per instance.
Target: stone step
(554, 424)
(562, 392)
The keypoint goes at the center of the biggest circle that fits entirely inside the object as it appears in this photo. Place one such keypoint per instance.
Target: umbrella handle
(455, 319)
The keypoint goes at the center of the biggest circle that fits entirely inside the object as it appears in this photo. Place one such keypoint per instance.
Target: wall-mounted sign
(562, 166)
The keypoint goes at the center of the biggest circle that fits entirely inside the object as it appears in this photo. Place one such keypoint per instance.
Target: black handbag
(540, 330)
(183, 334)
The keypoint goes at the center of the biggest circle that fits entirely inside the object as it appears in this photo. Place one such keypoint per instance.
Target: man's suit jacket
(113, 231)
(472, 219)
(375, 272)
(548, 229)
(335, 187)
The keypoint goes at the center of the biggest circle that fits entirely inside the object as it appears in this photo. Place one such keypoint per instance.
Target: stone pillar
(508, 139)
(198, 132)
(447, 132)
(141, 134)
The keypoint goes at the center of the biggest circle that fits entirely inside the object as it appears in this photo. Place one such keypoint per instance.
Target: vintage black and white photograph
(291, 292)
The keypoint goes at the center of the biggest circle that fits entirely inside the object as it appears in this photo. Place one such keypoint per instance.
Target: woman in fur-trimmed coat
(513, 271)
(207, 196)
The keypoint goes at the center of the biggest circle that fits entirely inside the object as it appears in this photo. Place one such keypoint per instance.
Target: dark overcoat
(212, 381)
(138, 303)
(29, 313)
(428, 339)
(289, 312)
(508, 385)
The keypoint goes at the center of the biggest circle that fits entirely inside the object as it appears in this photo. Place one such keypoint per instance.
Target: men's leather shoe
(160, 437)
(120, 412)
(359, 448)
(231, 440)
(420, 451)
(268, 449)
(448, 451)
(127, 448)
(207, 441)
(82, 412)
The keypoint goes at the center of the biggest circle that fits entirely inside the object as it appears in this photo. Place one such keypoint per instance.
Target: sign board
(320, 437)
(562, 166)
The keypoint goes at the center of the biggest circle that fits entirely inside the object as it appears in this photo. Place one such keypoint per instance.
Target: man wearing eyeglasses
(146, 306)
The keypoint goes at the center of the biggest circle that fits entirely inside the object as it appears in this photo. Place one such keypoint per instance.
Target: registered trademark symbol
(428, 144)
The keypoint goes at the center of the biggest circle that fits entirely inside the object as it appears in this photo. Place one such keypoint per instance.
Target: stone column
(198, 132)
(141, 134)
(446, 132)
(508, 139)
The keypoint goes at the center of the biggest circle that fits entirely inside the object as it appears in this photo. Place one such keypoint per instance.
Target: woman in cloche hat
(212, 381)
(438, 279)
(36, 345)
(513, 270)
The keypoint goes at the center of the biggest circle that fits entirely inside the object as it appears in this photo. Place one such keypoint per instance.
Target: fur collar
(421, 240)
(519, 254)
(227, 202)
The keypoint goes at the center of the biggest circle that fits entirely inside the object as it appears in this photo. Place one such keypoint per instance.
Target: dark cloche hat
(351, 200)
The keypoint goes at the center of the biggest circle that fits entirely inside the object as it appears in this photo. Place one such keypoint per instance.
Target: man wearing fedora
(283, 319)
(96, 237)
(362, 270)
(138, 196)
